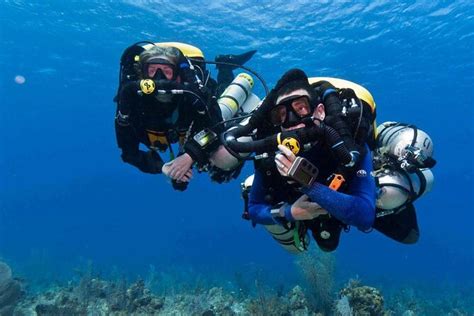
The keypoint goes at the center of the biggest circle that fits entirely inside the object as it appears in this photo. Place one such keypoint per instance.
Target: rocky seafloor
(95, 296)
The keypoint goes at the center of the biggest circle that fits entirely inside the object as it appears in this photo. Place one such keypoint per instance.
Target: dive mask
(291, 111)
(158, 68)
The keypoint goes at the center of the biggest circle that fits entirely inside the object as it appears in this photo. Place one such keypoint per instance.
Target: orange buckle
(337, 181)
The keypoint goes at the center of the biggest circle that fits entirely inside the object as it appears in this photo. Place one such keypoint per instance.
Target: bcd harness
(161, 141)
(191, 72)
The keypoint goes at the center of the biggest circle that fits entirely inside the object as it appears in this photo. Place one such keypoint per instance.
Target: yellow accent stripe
(246, 77)
(279, 138)
(230, 102)
(157, 137)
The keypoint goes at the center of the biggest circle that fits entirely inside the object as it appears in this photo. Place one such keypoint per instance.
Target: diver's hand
(180, 168)
(186, 178)
(284, 160)
(303, 209)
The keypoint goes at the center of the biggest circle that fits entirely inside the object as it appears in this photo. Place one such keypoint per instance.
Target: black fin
(234, 59)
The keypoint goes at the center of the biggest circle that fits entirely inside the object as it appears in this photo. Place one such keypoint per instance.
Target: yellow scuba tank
(236, 99)
(235, 95)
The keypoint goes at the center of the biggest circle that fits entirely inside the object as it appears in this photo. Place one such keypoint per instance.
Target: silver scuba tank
(400, 140)
(235, 95)
(403, 151)
(398, 187)
(288, 238)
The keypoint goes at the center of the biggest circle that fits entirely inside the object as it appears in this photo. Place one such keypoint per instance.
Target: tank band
(231, 98)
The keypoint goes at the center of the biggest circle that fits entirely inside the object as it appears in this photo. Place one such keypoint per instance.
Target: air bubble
(19, 79)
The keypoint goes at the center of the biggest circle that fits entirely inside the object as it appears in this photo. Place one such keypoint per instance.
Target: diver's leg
(225, 76)
(225, 73)
(402, 227)
(326, 232)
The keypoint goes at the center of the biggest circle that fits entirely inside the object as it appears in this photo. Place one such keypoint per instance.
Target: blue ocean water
(66, 198)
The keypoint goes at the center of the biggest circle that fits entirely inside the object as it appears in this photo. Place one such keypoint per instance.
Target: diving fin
(233, 59)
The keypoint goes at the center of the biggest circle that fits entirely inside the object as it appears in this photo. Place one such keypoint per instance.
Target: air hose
(302, 136)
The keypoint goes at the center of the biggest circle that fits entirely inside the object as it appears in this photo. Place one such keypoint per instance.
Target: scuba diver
(321, 179)
(167, 96)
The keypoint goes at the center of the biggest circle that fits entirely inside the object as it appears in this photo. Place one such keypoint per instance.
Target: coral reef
(96, 296)
(99, 297)
(363, 300)
(317, 269)
(10, 290)
(429, 299)
(93, 297)
(343, 307)
(294, 304)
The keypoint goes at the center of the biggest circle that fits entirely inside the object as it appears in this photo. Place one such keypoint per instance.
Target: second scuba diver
(276, 198)
(321, 190)
(164, 98)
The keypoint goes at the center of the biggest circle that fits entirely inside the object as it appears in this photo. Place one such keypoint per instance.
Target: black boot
(225, 74)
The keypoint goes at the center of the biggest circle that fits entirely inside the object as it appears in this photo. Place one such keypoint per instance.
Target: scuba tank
(235, 95)
(402, 163)
(292, 238)
(405, 142)
(237, 99)
(288, 237)
(399, 187)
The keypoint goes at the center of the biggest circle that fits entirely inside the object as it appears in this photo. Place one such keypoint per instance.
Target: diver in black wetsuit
(169, 102)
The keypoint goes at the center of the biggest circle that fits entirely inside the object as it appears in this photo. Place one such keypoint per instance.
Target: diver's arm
(127, 140)
(148, 162)
(204, 137)
(127, 96)
(357, 206)
(259, 210)
(301, 209)
(200, 142)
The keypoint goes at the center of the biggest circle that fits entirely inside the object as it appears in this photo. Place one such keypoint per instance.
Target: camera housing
(303, 171)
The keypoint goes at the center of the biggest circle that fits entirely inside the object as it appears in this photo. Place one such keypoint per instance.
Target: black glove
(179, 186)
(153, 163)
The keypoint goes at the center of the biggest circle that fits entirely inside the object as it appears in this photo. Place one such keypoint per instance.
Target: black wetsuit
(148, 117)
